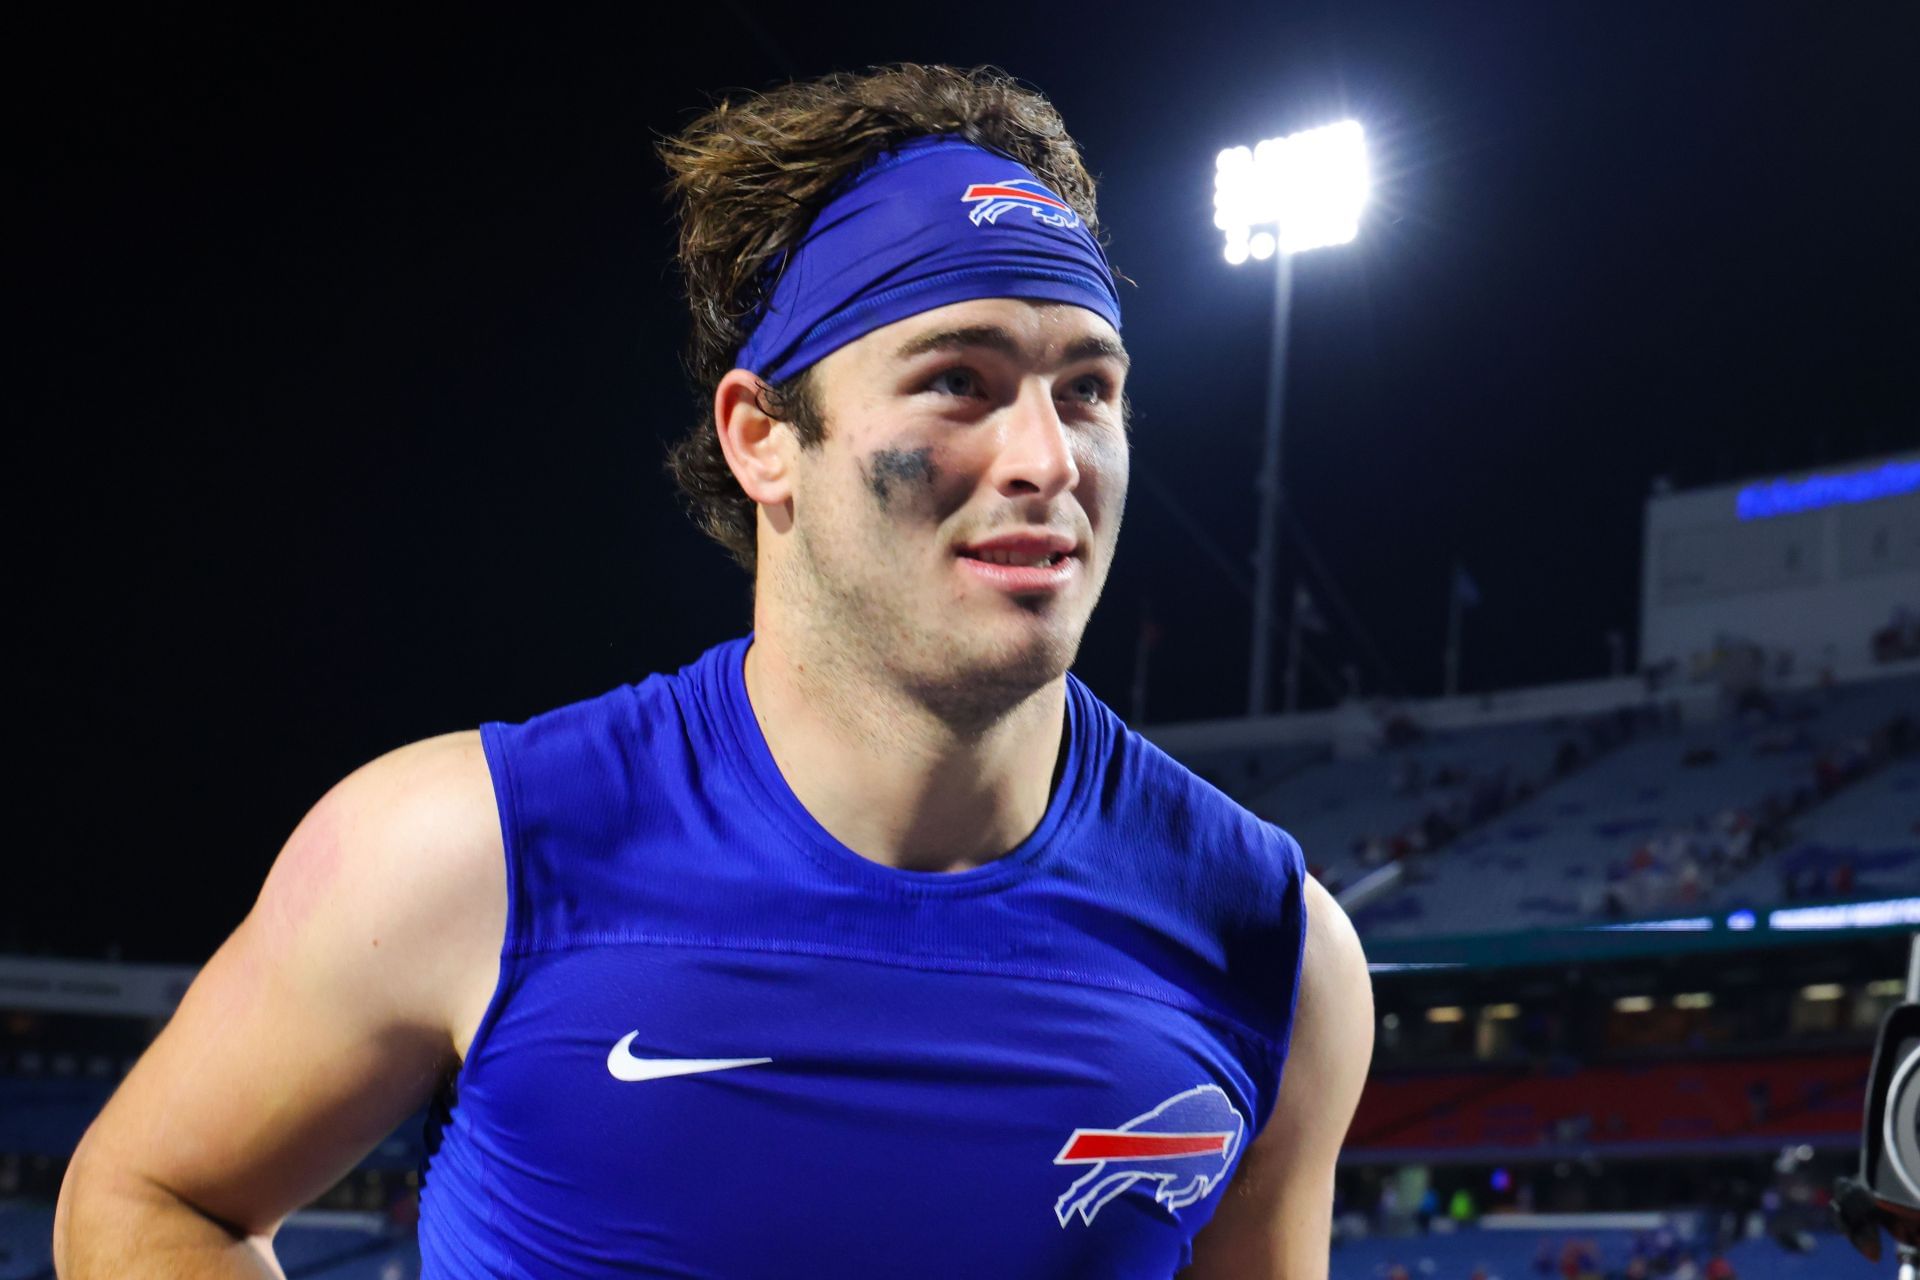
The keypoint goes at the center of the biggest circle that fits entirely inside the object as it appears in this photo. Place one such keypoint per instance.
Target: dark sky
(348, 353)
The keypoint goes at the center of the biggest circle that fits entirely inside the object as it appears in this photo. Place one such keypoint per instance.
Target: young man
(868, 945)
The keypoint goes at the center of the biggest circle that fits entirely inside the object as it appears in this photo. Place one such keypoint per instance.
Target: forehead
(1037, 334)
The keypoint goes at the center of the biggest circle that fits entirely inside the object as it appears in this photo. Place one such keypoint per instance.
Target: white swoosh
(624, 1066)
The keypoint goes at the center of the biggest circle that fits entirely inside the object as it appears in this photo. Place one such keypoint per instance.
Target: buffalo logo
(1182, 1149)
(991, 199)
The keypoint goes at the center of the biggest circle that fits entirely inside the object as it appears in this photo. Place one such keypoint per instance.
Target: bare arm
(1276, 1219)
(327, 1018)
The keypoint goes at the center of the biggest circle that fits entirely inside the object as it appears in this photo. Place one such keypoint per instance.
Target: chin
(1024, 659)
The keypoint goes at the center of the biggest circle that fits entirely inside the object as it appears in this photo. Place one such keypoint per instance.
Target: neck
(896, 779)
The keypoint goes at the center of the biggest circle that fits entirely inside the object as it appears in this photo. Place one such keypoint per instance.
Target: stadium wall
(1813, 565)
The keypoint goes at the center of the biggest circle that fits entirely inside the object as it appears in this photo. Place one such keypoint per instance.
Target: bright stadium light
(1310, 187)
(1273, 200)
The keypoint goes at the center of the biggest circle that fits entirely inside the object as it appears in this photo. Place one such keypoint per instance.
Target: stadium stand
(1519, 1254)
(45, 1115)
(1670, 1108)
(314, 1246)
(1865, 840)
(1357, 814)
(1663, 820)
(1248, 771)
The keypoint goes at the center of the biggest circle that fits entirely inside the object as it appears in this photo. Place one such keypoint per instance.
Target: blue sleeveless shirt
(725, 1045)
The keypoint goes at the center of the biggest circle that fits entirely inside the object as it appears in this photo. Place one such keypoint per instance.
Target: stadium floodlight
(1310, 186)
(1271, 201)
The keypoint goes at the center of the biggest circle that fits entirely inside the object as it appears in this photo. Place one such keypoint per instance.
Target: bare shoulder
(404, 857)
(1275, 1219)
(329, 1015)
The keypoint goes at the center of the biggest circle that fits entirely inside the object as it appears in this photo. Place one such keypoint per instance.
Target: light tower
(1282, 197)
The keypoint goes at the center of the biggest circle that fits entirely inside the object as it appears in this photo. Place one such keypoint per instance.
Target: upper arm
(335, 1007)
(1276, 1217)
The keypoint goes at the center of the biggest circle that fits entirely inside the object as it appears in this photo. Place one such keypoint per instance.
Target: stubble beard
(869, 649)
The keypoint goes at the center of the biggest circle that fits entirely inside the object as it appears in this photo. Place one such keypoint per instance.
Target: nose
(1036, 456)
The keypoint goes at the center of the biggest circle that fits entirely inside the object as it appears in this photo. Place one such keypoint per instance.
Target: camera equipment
(1887, 1192)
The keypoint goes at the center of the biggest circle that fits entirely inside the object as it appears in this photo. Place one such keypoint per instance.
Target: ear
(759, 448)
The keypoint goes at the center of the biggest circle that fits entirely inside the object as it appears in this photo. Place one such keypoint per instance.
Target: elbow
(99, 1205)
(72, 1209)
(109, 1213)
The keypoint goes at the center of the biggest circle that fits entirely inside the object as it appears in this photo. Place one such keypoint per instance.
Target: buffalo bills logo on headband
(991, 199)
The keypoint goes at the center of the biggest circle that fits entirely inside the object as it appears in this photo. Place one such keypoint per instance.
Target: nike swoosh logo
(624, 1066)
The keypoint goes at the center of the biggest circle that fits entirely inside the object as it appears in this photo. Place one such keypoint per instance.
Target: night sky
(346, 349)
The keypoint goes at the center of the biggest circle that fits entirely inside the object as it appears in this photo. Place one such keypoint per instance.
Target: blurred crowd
(1676, 867)
(1460, 798)
(1653, 1254)
(1899, 639)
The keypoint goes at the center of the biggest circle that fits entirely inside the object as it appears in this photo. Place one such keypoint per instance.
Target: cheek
(899, 476)
(912, 482)
(1104, 459)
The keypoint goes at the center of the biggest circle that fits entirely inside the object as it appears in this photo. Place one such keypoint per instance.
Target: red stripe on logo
(1088, 1146)
(991, 191)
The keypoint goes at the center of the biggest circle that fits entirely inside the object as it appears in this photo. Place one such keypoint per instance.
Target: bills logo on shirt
(991, 199)
(1179, 1151)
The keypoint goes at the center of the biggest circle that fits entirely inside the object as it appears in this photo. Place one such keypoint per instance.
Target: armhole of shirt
(1293, 863)
(506, 796)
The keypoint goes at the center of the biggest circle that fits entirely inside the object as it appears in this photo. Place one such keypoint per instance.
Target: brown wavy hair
(746, 179)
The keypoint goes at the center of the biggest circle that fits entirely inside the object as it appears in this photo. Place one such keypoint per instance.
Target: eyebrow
(994, 338)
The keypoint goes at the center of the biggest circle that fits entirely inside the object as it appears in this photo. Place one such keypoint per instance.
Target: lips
(1021, 550)
(1022, 563)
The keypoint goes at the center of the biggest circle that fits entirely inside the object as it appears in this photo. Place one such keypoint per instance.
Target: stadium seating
(1333, 807)
(1672, 1107)
(308, 1253)
(1865, 840)
(26, 1241)
(1558, 843)
(321, 1248)
(1249, 770)
(1560, 857)
(1511, 1255)
(45, 1115)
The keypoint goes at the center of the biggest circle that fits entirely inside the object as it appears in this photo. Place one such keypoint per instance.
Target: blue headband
(935, 221)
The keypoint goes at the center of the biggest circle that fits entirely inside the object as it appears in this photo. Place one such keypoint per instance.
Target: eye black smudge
(887, 468)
